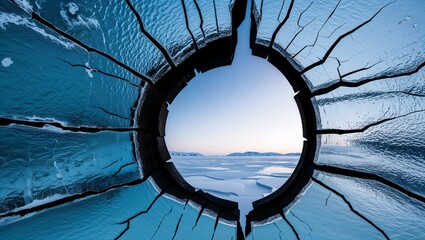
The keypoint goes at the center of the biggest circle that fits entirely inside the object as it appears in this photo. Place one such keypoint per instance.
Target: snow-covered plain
(242, 179)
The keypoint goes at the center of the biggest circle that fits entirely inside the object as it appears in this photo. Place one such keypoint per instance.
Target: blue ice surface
(38, 164)
(105, 216)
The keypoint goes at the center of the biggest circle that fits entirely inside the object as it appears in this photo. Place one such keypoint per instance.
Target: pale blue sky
(247, 106)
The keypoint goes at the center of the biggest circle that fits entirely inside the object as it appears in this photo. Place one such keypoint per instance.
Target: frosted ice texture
(363, 62)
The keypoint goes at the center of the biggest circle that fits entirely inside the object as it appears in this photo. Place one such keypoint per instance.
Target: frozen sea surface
(240, 179)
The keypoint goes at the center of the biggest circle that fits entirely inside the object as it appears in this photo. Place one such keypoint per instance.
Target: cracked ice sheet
(357, 12)
(208, 16)
(313, 214)
(40, 85)
(351, 108)
(187, 228)
(162, 220)
(98, 217)
(40, 163)
(399, 216)
(360, 49)
(94, 217)
(275, 227)
(112, 29)
(397, 26)
(165, 21)
(393, 150)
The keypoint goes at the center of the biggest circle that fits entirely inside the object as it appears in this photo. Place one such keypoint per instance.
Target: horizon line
(223, 154)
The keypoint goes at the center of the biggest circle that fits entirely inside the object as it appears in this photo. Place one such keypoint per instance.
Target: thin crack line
(201, 24)
(327, 199)
(187, 25)
(318, 32)
(123, 231)
(300, 31)
(280, 231)
(84, 129)
(289, 223)
(339, 39)
(288, 13)
(180, 219)
(43, 21)
(357, 70)
(348, 131)
(349, 97)
(301, 14)
(336, 29)
(102, 72)
(350, 206)
(369, 176)
(281, 8)
(113, 114)
(110, 164)
(215, 225)
(140, 213)
(308, 225)
(123, 166)
(150, 37)
(162, 220)
(216, 20)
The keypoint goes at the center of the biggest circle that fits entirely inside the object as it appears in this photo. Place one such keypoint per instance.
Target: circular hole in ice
(236, 132)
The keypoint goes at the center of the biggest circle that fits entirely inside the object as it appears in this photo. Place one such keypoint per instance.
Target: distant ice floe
(6, 62)
(276, 169)
(11, 18)
(76, 20)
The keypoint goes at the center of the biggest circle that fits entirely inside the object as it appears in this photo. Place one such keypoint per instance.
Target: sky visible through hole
(247, 106)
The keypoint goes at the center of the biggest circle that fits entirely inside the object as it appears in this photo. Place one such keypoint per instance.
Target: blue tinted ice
(74, 73)
(363, 63)
(38, 164)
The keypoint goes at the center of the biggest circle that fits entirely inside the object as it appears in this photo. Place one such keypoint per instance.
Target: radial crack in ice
(318, 32)
(370, 176)
(288, 13)
(350, 206)
(361, 82)
(58, 200)
(282, 214)
(60, 128)
(187, 25)
(149, 36)
(201, 24)
(90, 49)
(162, 220)
(180, 219)
(348, 131)
(127, 222)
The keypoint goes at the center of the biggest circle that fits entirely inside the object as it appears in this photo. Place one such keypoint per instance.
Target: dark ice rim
(153, 150)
